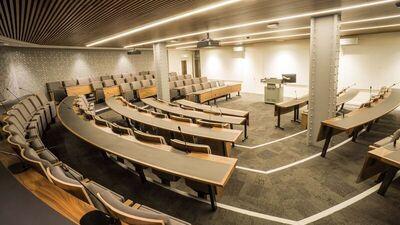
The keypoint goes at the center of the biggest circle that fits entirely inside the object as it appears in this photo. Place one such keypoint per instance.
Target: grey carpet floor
(294, 193)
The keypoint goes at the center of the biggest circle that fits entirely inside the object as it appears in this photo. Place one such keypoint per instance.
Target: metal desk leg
(238, 93)
(369, 126)
(245, 132)
(387, 180)
(355, 134)
(327, 141)
(279, 120)
(139, 170)
(341, 107)
(224, 150)
(212, 197)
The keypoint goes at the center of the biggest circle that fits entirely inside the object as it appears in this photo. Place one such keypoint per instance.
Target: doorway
(184, 67)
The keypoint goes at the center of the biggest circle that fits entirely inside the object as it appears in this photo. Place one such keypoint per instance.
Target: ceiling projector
(207, 43)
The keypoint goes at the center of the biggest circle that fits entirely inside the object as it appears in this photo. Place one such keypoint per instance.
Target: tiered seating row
(26, 122)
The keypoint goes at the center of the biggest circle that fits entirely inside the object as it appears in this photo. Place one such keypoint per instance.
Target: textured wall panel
(31, 68)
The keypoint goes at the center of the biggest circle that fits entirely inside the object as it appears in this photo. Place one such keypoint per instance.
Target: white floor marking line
(271, 142)
(294, 163)
(102, 109)
(228, 207)
(341, 205)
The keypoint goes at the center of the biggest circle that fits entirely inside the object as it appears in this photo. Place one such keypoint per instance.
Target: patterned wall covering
(31, 68)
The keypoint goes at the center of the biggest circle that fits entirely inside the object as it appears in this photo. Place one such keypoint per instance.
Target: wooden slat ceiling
(79, 22)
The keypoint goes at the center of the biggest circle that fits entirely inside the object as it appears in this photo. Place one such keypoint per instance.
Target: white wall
(174, 60)
(375, 61)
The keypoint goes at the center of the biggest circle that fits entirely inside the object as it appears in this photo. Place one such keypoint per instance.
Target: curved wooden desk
(295, 105)
(357, 119)
(232, 120)
(225, 111)
(385, 161)
(225, 136)
(217, 92)
(214, 171)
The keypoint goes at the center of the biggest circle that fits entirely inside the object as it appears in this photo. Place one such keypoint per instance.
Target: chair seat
(47, 155)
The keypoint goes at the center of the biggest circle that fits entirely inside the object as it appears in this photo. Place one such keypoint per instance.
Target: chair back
(180, 119)
(150, 138)
(204, 123)
(190, 147)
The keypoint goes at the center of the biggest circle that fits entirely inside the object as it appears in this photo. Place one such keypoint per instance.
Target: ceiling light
(371, 19)
(238, 49)
(370, 28)
(246, 35)
(164, 21)
(309, 14)
(187, 47)
(272, 25)
(266, 38)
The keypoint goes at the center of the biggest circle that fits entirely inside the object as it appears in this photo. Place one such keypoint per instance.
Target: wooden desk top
(219, 134)
(364, 115)
(214, 89)
(193, 114)
(225, 111)
(346, 96)
(387, 154)
(292, 102)
(176, 163)
(79, 90)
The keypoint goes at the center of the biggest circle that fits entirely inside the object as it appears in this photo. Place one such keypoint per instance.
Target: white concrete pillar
(161, 70)
(324, 63)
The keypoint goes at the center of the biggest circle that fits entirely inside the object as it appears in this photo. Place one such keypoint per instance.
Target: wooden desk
(214, 93)
(354, 121)
(79, 90)
(220, 134)
(165, 107)
(111, 91)
(289, 106)
(345, 97)
(210, 172)
(147, 92)
(384, 161)
(296, 104)
(224, 111)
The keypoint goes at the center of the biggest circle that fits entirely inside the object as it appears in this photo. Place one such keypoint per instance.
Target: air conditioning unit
(349, 41)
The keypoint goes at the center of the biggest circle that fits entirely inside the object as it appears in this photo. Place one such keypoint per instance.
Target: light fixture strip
(371, 19)
(309, 14)
(164, 21)
(371, 28)
(245, 35)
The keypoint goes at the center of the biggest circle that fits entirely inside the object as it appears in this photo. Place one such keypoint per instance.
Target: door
(184, 67)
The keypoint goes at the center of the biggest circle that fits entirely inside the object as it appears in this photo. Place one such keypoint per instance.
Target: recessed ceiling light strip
(163, 21)
(266, 38)
(309, 14)
(245, 35)
(371, 19)
(371, 28)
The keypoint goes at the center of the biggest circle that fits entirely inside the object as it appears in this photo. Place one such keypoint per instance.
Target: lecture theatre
(202, 112)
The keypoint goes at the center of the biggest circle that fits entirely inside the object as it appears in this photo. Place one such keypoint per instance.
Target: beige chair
(100, 121)
(120, 129)
(187, 82)
(106, 77)
(145, 83)
(97, 87)
(83, 81)
(136, 214)
(115, 77)
(158, 115)
(190, 147)
(71, 181)
(69, 83)
(206, 85)
(197, 87)
(196, 80)
(204, 123)
(119, 81)
(149, 138)
(127, 91)
(203, 79)
(180, 119)
(213, 84)
(108, 83)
